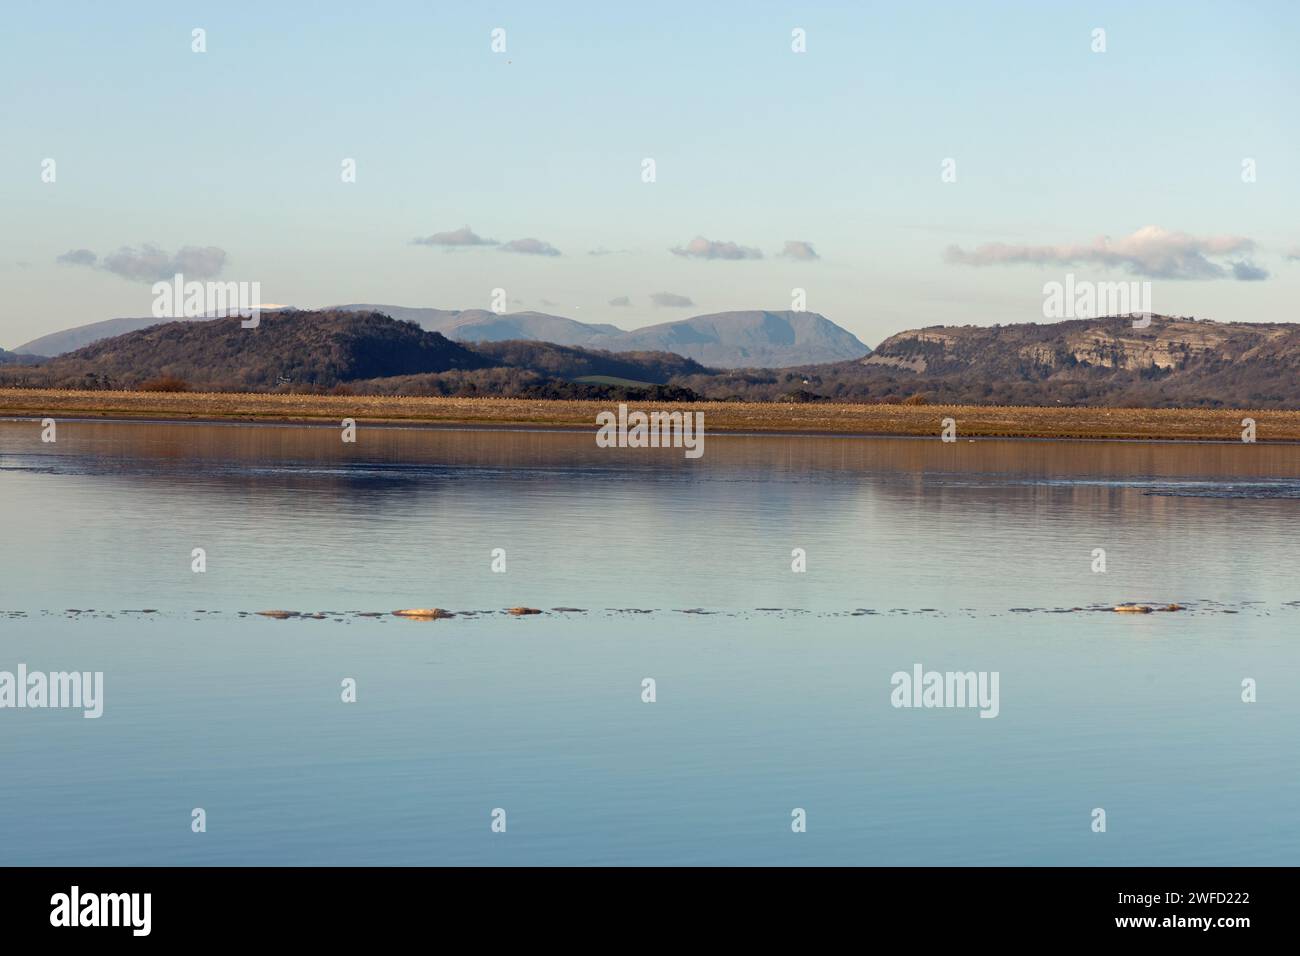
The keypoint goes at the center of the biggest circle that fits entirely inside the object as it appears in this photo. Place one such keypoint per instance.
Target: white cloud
(701, 248)
(464, 236)
(530, 247)
(77, 257)
(671, 300)
(148, 263)
(1151, 251)
(796, 249)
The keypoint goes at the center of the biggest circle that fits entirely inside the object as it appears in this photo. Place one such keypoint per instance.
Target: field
(970, 420)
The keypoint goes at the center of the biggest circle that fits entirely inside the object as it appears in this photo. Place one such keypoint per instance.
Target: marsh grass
(812, 418)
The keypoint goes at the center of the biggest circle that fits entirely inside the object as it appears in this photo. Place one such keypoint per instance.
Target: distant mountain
(482, 325)
(744, 339)
(287, 348)
(69, 340)
(753, 339)
(723, 340)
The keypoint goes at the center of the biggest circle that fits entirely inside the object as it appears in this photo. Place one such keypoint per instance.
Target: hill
(1173, 362)
(570, 362)
(16, 358)
(544, 370)
(287, 348)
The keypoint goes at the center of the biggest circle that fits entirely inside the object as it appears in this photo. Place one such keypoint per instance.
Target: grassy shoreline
(1163, 424)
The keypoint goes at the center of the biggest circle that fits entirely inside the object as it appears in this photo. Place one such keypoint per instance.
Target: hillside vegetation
(319, 349)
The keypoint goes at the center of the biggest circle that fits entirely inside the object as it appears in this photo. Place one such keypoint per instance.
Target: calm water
(773, 688)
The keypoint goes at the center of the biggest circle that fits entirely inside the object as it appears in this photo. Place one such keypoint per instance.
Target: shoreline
(737, 418)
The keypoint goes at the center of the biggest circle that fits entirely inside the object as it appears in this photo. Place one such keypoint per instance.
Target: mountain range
(1162, 361)
(742, 339)
(347, 351)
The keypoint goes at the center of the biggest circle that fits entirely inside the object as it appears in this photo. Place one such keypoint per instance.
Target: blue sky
(240, 149)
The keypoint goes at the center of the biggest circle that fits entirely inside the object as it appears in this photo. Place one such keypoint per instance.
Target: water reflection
(953, 556)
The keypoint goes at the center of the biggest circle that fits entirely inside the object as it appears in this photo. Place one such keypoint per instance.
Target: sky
(916, 164)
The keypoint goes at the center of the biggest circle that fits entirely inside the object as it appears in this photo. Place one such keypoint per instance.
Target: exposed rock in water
(424, 613)
(1146, 608)
(278, 615)
(519, 611)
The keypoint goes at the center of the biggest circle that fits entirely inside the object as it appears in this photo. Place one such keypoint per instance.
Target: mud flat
(971, 421)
